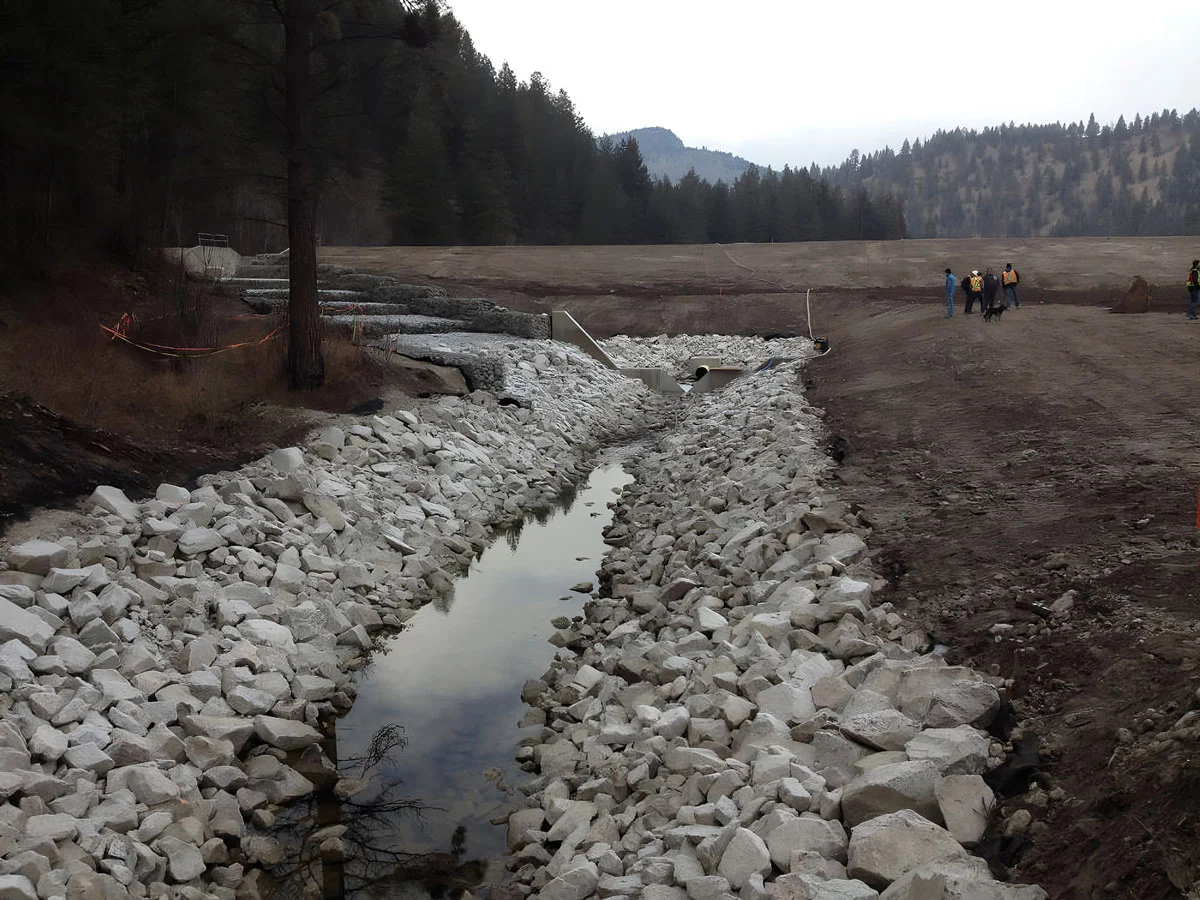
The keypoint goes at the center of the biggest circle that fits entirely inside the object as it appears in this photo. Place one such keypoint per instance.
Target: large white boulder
(786, 702)
(886, 847)
(961, 750)
(885, 729)
(807, 832)
(746, 855)
(286, 734)
(967, 879)
(576, 883)
(113, 500)
(886, 789)
(813, 887)
(21, 625)
(946, 696)
(199, 540)
(967, 806)
(37, 557)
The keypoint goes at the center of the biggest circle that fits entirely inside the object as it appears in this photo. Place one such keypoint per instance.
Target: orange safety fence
(121, 333)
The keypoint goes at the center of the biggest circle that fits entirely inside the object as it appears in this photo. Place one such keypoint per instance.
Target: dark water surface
(453, 678)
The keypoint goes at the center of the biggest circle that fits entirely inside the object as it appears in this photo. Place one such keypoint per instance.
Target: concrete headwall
(205, 262)
(715, 379)
(563, 327)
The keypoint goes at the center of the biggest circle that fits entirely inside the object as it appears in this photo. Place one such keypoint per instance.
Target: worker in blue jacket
(949, 293)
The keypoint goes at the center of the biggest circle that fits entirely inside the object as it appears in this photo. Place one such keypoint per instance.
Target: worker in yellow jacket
(974, 286)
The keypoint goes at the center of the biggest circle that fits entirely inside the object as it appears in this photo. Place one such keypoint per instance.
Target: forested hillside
(666, 156)
(1139, 178)
(131, 124)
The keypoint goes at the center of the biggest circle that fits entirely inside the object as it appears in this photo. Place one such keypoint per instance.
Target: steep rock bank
(168, 667)
(735, 716)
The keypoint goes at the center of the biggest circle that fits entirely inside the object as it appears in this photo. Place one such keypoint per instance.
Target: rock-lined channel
(453, 678)
(170, 667)
(733, 716)
(739, 718)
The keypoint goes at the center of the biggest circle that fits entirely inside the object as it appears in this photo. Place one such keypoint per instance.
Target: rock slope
(168, 667)
(735, 716)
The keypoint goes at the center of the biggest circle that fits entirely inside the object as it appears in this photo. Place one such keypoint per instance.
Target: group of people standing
(984, 288)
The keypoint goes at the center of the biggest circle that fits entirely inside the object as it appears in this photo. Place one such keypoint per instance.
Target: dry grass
(53, 351)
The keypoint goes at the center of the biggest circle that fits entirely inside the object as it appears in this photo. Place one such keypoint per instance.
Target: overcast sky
(790, 81)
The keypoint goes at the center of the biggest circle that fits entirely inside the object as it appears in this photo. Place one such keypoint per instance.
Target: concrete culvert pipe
(701, 371)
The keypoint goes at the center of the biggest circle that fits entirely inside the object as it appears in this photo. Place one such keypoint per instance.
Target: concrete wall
(708, 362)
(205, 262)
(715, 380)
(563, 327)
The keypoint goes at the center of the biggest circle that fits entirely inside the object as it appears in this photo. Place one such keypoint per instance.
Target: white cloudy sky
(790, 81)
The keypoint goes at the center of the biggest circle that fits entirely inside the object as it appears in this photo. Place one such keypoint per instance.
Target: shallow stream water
(452, 681)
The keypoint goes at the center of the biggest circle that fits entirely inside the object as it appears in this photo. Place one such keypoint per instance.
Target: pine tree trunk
(306, 366)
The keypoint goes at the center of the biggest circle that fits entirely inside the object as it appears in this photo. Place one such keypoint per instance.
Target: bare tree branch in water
(383, 742)
(347, 849)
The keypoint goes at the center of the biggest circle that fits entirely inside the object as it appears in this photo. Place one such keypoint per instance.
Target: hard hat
(974, 271)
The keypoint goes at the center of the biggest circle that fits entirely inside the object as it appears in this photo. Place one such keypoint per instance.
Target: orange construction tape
(167, 350)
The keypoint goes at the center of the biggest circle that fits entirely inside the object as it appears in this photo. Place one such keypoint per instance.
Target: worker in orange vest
(1010, 278)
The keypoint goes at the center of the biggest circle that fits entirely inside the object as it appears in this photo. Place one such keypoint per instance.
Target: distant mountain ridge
(1053, 180)
(665, 155)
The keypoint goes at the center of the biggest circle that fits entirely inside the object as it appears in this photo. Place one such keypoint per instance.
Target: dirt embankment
(1006, 466)
(79, 407)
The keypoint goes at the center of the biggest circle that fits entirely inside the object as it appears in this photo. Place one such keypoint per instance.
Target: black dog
(996, 311)
(1020, 770)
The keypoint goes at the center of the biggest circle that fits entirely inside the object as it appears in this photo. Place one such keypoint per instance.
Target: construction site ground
(1003, 466)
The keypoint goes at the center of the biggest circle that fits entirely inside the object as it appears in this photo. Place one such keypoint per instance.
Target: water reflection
(336, 849)
(454, 678)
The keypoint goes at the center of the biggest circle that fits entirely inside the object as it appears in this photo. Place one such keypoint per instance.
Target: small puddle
(452, 680)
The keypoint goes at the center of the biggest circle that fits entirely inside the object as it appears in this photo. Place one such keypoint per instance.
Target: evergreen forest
(1074, 180)
(134, 123)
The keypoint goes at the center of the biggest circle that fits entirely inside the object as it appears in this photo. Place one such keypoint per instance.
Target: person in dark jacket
(991, 284)
(1193, 286)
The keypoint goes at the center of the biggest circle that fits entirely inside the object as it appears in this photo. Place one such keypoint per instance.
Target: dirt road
(1050, 458)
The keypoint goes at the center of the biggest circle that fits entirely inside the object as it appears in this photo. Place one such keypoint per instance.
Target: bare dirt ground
(1085, 269)
(1004, 465)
